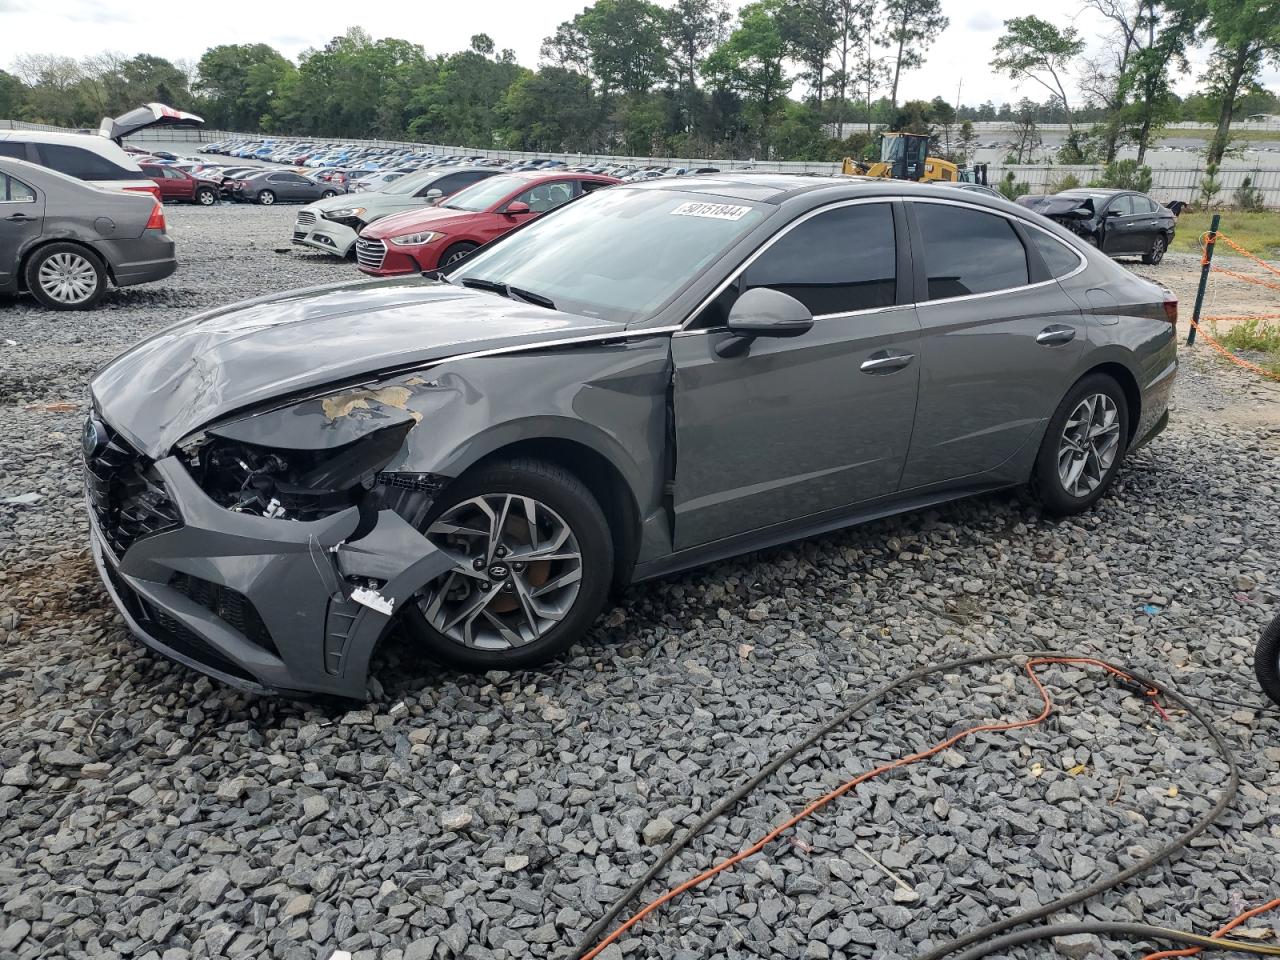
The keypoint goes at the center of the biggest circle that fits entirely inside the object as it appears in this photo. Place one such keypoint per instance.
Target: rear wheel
(266, 198)
(206, 196)
(327, 194)
(66, 276)
(457, 252)
(1083, 446)
(533, 561)
(1156, 253)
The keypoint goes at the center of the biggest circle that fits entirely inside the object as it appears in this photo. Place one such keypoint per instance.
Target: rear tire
(573, 537)
(1266, 660)
(266, 198)
(1082, 447)
(66, 276)
(457, 252)
(1156, 253)
(327, 194)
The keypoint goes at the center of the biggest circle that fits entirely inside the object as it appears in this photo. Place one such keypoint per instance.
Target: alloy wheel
(1157, 250)
(517, 572)
(68, 278)
(1089, 443)
(456, 256)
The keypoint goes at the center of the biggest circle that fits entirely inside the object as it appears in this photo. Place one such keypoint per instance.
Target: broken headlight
(291, 484)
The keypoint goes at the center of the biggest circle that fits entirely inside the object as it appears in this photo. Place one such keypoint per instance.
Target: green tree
(911, 26)
(1244, 35)
(239, 83)
(13, 96)
(1037, 50)
(461, 103)
(553, 110)
(811, 29)
(619, 43)
(751, 63)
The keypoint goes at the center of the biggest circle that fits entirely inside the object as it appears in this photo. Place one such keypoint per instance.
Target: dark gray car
(65, 241)
(270, 186)
(653, 377)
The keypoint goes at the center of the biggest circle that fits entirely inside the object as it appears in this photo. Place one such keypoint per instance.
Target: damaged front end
(281, 526)
(1076, 214)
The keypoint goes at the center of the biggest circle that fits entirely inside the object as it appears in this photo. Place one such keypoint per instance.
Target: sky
(83, 27)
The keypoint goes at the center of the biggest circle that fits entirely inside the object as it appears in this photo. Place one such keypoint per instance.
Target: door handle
(1056, 335)
(20, 218)
(886, 362)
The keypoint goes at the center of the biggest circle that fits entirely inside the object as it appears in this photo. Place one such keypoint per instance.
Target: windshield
(484, 194)
(409, 184)
(891, 148)
(617, 254)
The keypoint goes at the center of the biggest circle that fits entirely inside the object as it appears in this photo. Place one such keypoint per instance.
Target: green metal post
(1205, 261)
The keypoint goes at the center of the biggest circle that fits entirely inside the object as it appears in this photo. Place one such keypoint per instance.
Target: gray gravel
(146, 812)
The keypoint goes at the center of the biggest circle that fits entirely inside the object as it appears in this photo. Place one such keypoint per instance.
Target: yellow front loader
(904, 156)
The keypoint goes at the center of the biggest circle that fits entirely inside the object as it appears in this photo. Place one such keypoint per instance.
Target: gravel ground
(147, 812)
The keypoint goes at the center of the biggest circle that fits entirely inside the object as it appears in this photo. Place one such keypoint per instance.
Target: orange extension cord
(1220, 932)
(848, 785)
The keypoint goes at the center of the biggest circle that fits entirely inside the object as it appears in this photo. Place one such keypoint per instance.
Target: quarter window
(1056, 255)
(15, 191)
(838, 261)
(10, 149)
(967, 251)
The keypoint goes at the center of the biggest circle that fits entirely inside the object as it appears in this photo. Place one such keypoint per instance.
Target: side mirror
(516, 207)
(1111, 213)
(434, 194)
(762, 312)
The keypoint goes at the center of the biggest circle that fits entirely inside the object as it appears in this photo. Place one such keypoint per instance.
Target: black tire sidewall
(1155, 256)
(1266, 661)
(32, 269)
(464, 247)
(568, 497)
(327, 195)
(262, 198)
(1045, 481)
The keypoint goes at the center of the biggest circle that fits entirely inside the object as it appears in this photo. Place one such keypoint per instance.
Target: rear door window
(967, 251)
(838, 261)
(82, 164)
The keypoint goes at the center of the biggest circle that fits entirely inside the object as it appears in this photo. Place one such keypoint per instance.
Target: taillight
(154, 190)
(156, 222)
(1171, 309)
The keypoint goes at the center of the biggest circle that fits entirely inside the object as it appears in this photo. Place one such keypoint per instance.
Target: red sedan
(420, 240)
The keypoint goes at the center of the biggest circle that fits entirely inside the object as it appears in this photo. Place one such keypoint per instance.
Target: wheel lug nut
(517, 567)
(484, 584)
(500, 552)
(508, 586)
(477, 563)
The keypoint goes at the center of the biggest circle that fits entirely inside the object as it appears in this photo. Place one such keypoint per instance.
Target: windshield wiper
(508, 291)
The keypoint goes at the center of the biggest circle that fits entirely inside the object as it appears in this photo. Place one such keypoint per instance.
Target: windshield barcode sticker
(716, 211)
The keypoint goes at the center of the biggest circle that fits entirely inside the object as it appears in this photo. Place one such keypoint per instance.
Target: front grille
(306, 217)
(127, 495)
(233, 608)
(299, 235)
(370, 253)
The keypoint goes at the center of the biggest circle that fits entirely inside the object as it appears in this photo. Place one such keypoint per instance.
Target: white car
(96, 158)
(332, 225)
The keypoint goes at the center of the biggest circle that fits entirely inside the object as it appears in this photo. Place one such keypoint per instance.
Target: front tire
(457, 252)
(206, 196)
(1158, 246)
(327, 194)
(66, 276)
(533, 566)
(1082, 448)
(1266, 660)
(266, 198)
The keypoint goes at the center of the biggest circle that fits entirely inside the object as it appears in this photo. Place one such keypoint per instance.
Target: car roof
(41, 175)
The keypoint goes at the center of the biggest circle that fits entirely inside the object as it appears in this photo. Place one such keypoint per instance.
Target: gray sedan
(650, 378)
(65, 241)
(270, 186)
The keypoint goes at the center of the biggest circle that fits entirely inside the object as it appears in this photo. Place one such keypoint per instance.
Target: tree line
(783, 79)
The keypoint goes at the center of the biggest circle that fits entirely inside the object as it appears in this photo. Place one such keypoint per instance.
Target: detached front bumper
(263, 605)
(313, 231)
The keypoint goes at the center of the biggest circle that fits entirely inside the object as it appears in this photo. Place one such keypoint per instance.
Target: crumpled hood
(245, 354)
(1053, 206)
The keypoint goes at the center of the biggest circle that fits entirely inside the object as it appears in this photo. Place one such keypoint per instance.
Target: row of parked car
(356, 158)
